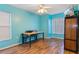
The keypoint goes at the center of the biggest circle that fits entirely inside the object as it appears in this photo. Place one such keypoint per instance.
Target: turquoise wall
(46, 25)
(21, 21)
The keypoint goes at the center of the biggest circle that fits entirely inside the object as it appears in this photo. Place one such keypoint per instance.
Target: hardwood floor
(48, 46)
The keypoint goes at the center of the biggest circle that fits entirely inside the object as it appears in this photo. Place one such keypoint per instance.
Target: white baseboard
(58, 37)
(53, 37)
(9, 46)
(47, 37)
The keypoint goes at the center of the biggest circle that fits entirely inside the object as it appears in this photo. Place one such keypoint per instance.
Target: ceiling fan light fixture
(41, 11)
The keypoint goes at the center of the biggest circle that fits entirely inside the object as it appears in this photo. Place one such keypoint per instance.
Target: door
(73, 28)
(73, 34)
(70, 34)
(67, 33)
(68, 30)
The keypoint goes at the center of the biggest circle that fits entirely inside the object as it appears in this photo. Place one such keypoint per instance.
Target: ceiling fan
(43, 9)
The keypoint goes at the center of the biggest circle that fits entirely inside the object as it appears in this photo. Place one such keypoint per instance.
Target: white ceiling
(55, 8)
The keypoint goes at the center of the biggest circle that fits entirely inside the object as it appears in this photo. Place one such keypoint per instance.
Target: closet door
(73, 28)
(73, 34)
(67, 44)
(67, 33)
(70, 34)
(67, 29)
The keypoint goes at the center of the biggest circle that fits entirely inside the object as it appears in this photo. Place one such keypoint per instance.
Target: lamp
(42, 9)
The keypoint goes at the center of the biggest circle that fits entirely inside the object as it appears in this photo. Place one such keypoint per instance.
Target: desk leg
(22, 39)
(36, 37)
(30, 41)
(43, 36)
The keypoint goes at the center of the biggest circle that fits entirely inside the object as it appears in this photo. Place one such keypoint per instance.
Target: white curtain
(5, 29)
(58, 26)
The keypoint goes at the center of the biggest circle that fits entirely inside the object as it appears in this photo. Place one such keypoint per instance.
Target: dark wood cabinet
(71, 36)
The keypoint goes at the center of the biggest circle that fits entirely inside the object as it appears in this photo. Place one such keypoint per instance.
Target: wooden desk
(29, 35)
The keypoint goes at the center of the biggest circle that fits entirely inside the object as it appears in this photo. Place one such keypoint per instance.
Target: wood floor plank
(48, 46)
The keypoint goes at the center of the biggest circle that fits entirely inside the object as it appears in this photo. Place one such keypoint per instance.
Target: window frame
(10, 27)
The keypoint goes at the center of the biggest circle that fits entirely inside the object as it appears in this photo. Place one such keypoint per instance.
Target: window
(5, 26)
(58, 26)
